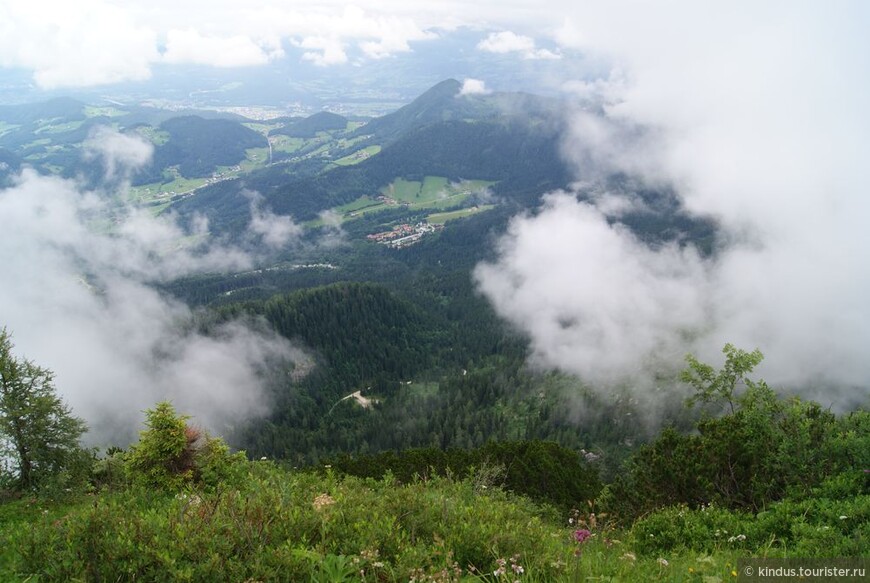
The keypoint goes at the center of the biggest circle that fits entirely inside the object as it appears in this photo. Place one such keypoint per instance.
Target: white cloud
(473, 87)
(95, 42)
(75, 43)
(332, 235)
(274, 231)
(81, 301)
(121, 153)
(594, 300)
(327, 51)
(189, 46)
(510, 42)
(755, 117)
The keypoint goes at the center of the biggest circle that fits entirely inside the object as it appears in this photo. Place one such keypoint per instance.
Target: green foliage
(814, 527)
(289, 526)
(765, 449)
(171, 454)
(38, 433)
(281, 526)
(712, 386)
(542, 470)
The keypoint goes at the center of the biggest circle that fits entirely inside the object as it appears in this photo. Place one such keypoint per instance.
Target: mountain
(441, 103)
(63, 108)
(498, 138)
(309, 126)
(198, 146)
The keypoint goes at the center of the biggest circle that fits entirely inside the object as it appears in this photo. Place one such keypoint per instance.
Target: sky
(753, 113)
(96, 42)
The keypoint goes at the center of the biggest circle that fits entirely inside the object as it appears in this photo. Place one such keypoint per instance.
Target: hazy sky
(92, 42)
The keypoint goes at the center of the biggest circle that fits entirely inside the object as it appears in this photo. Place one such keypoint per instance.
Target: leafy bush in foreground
(172, 454)
(765, 449)
(814, 527)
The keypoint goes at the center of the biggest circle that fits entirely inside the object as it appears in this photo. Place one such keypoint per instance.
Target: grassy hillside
(178, 506)
(271, 524)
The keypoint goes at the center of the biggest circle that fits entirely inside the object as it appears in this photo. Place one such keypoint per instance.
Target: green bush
(542, 470)
(814, 527)
(172, 454)
(293, 526)
(764, 449)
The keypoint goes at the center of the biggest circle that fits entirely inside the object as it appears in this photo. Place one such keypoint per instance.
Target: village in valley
(404, 234)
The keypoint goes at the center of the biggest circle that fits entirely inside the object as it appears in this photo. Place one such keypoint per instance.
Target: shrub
(764, 449)
(172, 454)
(542, 470)
(282, 526)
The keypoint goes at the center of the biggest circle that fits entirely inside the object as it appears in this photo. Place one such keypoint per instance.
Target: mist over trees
(39, 435)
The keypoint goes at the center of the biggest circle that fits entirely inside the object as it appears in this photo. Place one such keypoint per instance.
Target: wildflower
(662, 562)
(630, 557)
(843, 517)
(322, 501)
(691, 569)
(581, 535)
(733, 573)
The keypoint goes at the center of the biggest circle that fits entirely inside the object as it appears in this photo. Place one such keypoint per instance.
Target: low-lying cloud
(274, 231)
(595, 301)
(766, 136)
(78, 296)
(473, 87)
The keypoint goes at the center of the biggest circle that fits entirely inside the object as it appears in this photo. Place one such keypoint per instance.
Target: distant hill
(28, 120)
(63, 108)
(198, 146)
(520, 157)
(153, 116)
(439, 104)
(309, 126)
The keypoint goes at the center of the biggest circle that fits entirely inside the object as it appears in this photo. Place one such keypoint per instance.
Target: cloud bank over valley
(760, 127)
(79, 297)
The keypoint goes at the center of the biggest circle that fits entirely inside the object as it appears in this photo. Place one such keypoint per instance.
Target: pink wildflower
(581, 535)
